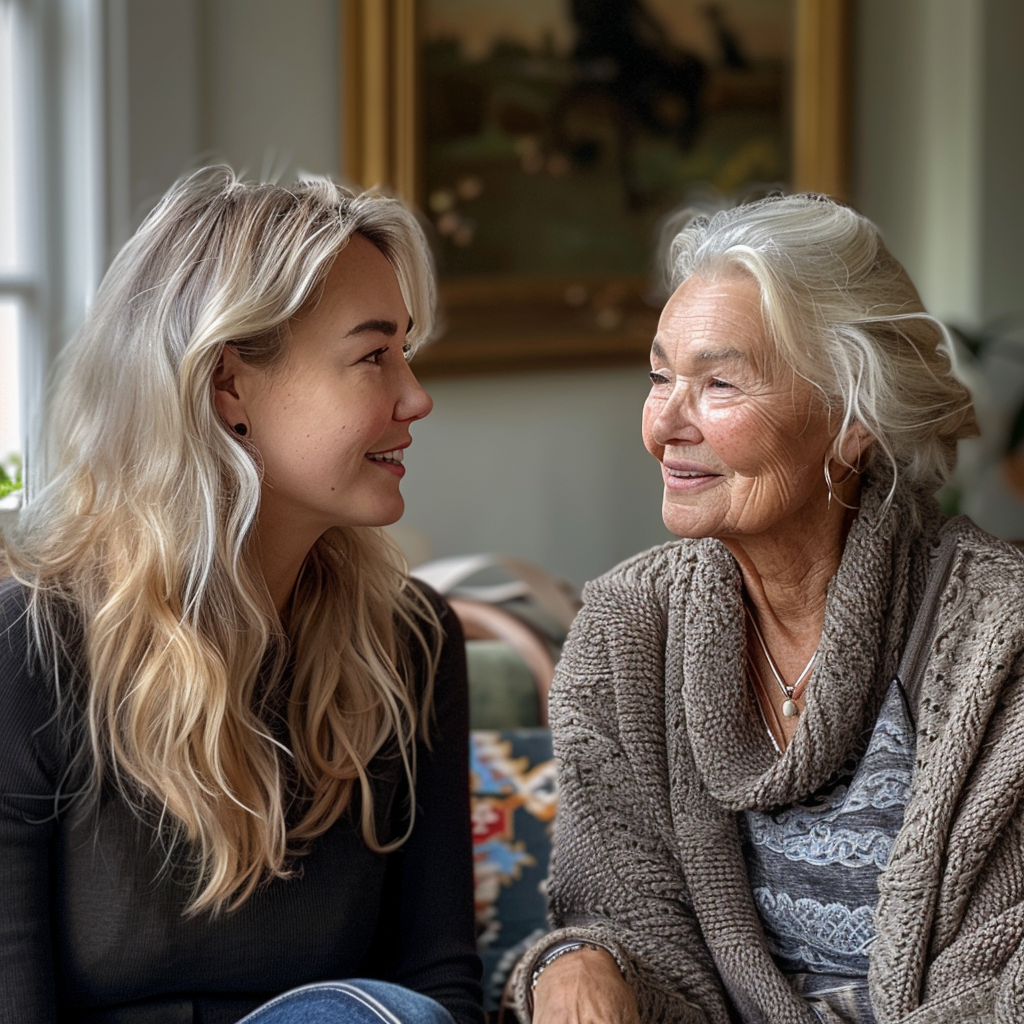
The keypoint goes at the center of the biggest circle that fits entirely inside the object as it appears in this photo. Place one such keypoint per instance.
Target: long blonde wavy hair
(139, 554)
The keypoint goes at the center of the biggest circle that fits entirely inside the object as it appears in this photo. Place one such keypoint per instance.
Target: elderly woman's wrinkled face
(741, 447)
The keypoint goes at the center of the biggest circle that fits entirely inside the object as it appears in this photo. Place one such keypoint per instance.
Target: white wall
(939, 147)
(549, 467)
(918, 133)
(249, 82)
(271, 86)
(1002, 173)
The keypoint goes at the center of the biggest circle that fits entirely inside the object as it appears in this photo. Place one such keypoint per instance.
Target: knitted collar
(720, 757)
(867, 619)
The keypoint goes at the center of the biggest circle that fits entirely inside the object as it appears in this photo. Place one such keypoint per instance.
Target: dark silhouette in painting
(627, 68)
(728, 40)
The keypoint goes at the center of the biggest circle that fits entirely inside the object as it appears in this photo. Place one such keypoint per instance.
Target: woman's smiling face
(742, 447)
(331, 421)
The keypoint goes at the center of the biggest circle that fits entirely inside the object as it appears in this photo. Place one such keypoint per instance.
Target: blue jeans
(350, 1002)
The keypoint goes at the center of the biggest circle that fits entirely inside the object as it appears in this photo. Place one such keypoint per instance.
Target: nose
(413, 402)
(674, 422)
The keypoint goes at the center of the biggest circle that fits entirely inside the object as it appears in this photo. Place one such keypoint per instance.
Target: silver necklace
(789, 705)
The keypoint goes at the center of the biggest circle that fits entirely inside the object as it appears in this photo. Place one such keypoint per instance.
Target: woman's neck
(786, 580)
(281, 552)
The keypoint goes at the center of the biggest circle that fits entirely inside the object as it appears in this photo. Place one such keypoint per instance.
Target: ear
(854, 443)
(229, 404)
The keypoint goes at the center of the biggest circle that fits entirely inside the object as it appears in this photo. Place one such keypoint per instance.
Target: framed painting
(547, 141)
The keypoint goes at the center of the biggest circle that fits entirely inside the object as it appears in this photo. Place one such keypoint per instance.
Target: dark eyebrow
(386, 327)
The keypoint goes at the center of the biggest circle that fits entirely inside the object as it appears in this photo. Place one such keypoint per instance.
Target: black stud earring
(240, 429)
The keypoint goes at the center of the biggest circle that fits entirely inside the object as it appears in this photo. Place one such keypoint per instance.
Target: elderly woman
(234, 733)
(769, 812)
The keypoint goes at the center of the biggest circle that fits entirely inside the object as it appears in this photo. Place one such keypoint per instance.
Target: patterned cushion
(512, 783)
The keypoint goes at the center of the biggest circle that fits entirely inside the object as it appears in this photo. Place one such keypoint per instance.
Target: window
(52, 208)
(16, 286)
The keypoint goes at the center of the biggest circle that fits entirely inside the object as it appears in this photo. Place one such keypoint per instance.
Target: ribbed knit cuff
(522, 977)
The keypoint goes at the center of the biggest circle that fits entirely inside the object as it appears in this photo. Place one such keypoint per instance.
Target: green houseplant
(10, 475)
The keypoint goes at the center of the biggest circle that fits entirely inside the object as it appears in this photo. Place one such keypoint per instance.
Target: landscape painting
(548, 143)
(558, 134)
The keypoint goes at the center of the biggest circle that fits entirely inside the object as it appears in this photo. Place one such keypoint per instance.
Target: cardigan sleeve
(615, 879)
(434, 937)
(28, 775)
(978, 933)
(950, 916)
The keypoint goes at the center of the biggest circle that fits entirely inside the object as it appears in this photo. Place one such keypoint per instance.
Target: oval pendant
(789, 708)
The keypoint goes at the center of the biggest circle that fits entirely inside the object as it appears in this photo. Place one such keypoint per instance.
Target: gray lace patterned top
(814, 867)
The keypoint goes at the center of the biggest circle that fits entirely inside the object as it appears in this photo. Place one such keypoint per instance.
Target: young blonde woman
(234, 779)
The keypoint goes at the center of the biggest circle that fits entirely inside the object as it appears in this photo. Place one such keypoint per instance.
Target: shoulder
(443, 616)
(36, 637)
(651, 575)
(12, 594)
(978, 550)
(430, 596)
(985, 570)
(14, 629)
(450, 676)
(979, 628)
(29, 735)
(626, 612)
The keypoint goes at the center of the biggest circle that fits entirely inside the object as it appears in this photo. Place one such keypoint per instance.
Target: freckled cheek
(744, 442)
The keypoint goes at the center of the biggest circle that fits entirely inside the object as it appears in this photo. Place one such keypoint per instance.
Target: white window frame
(22, 283)
(60, 125)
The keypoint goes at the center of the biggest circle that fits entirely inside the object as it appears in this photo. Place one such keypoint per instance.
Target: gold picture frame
(508, 323)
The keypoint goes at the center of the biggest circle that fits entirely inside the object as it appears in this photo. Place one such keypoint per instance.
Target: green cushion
(502, 693)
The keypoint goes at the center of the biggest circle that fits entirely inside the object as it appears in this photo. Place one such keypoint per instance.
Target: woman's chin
(688, 531)
(391, 513)
(689, 521)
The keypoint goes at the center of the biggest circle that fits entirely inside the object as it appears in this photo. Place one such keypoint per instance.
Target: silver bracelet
(554, 953)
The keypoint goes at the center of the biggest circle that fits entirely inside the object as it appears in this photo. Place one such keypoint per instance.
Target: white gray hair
(842, 313)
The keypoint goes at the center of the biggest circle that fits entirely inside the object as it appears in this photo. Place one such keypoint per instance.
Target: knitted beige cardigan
(660, 744)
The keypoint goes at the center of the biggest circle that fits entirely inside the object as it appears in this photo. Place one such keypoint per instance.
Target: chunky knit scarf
(732, 766)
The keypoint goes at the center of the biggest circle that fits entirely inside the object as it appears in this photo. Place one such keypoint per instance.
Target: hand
(584, 987)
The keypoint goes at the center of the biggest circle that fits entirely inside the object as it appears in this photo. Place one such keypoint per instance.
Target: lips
(685, 477)
(393, 456)
(687, 470)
